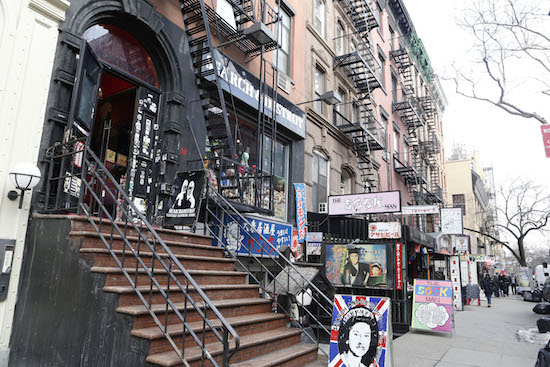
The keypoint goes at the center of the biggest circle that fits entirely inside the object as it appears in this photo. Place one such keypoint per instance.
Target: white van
(541, 273)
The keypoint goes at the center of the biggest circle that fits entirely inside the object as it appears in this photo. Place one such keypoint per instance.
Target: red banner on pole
(398, 267)
(546, 138)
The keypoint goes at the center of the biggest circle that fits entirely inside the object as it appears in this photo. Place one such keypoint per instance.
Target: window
(225, 11)
(406, 154)
(352, 46)
(384, 124)
(279, 152)
(320, 17)
(379, 15)
(345, 182)
(339, 39)
(283, 62)
(392, 38)
(394, 88)
(382, 73)
(319, 88)
(460, 202)
(396, 142)
(354, 113)
(340, 108)
(319, 177)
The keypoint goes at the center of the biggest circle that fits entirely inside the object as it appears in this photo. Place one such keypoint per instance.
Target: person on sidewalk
(495, 286)
(502, 284)
(513, 284)
(487, 286)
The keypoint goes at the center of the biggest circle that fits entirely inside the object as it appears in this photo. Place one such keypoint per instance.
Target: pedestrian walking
(502, 284)
(495, 286)
(487, 286)
(507, 285)
(513, 284)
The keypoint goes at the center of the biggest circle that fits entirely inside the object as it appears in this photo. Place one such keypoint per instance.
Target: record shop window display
(124, 132)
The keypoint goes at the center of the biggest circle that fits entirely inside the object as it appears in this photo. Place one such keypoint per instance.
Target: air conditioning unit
(323, 207)
(283, 81)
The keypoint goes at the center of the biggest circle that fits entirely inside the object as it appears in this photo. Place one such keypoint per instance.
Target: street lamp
(331, 98)
(24, 176)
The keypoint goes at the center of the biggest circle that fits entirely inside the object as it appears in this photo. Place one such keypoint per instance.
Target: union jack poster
(361, 332)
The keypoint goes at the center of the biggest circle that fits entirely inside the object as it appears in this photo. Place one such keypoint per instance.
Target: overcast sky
(512, 145)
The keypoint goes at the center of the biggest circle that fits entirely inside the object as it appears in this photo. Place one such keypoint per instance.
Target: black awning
(422, 238)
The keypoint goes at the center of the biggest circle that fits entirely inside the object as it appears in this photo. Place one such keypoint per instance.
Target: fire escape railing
(103, 201)
(220, 211)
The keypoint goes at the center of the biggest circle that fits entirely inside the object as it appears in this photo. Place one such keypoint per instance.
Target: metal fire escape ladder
(360, 67)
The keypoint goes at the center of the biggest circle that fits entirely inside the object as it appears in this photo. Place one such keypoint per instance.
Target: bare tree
(523, 208)
(511, 54)
(538, 255)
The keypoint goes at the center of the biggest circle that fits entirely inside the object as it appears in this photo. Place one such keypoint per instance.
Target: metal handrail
(271, 252)
(134, 220)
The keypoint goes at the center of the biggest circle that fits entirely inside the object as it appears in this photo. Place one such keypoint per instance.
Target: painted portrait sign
(357, 266)
(432, 305)
(525, 279)
(361, 332)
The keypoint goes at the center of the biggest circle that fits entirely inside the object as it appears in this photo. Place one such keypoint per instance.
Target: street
(482, 337)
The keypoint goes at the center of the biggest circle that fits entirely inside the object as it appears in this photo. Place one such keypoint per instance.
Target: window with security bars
(459, 201)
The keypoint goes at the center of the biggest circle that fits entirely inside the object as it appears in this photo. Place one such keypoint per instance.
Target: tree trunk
(521, 251)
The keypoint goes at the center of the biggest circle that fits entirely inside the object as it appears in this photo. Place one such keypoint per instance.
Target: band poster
(184, 202)
(361, 332)
(358, 266)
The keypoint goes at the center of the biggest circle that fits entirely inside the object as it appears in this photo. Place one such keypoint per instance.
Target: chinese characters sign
(301, 215)
(360, 332)
(239, 238)
(432, 305)
(381, 230)
(376, 202)
(360, 266)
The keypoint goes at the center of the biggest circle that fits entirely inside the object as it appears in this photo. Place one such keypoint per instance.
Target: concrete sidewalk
(482, 337)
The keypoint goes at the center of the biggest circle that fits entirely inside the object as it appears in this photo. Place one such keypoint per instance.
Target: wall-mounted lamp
(24, 176)
(331, 98)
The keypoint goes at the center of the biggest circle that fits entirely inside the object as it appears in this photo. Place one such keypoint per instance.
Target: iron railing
(145, 260)
(219, 212)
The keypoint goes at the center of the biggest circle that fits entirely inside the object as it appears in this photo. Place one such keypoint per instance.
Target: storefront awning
(416, 236)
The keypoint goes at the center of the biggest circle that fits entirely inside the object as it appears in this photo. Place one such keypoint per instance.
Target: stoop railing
(78, 180)
(287, 278)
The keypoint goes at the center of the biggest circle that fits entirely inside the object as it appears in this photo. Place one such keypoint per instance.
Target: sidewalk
(482, 337)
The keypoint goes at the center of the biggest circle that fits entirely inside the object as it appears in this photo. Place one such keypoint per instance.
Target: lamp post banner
(370, 203)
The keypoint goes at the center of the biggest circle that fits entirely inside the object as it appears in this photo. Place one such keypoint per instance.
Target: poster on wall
(456, 280)
(525, 279)
(314, 242)
(361, 332)
(462, 244)
(359, 266)
(185, 197)
(451, 221)
(239, 238)
(432, 305)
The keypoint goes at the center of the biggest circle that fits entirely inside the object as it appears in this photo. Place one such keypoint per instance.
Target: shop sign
(545, 129)
(314, 248)
(78, 157)
(359, 266)
(464, 271)
(244, 85)
(451, 220)
(314, 237)
(296, 247)
(443, 244)
(473, 272)
(369, 203)
(369, 320)
(239, 238)
(301, 212)
(432, 305)
(382, 230)
(398, 266)
(462, 244)
(420, 209)
(184, 201)
(455, 278)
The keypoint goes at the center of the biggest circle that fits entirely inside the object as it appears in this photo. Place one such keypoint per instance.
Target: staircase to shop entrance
(265, 339)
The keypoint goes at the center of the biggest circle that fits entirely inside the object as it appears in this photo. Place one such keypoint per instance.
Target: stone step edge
(138, 310)
(134, 238)
(161, 254)
(274, 358)
(170, 359)
(154, 332)
(132, 271)
(204, 287)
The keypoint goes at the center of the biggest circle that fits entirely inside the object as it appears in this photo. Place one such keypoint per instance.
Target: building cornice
(52, 9)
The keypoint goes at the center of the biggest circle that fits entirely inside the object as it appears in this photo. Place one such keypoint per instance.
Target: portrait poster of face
(432, 305)
(361, 333)
(357, 266)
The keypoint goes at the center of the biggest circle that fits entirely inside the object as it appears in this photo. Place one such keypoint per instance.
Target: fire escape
(252, 33)
(432, 148)
(360, 66)
(411, 111)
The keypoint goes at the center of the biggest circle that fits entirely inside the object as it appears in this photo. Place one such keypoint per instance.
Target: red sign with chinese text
(546, 138)
(398, 267)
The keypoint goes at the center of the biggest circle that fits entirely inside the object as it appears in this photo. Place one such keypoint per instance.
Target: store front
(120, 86)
